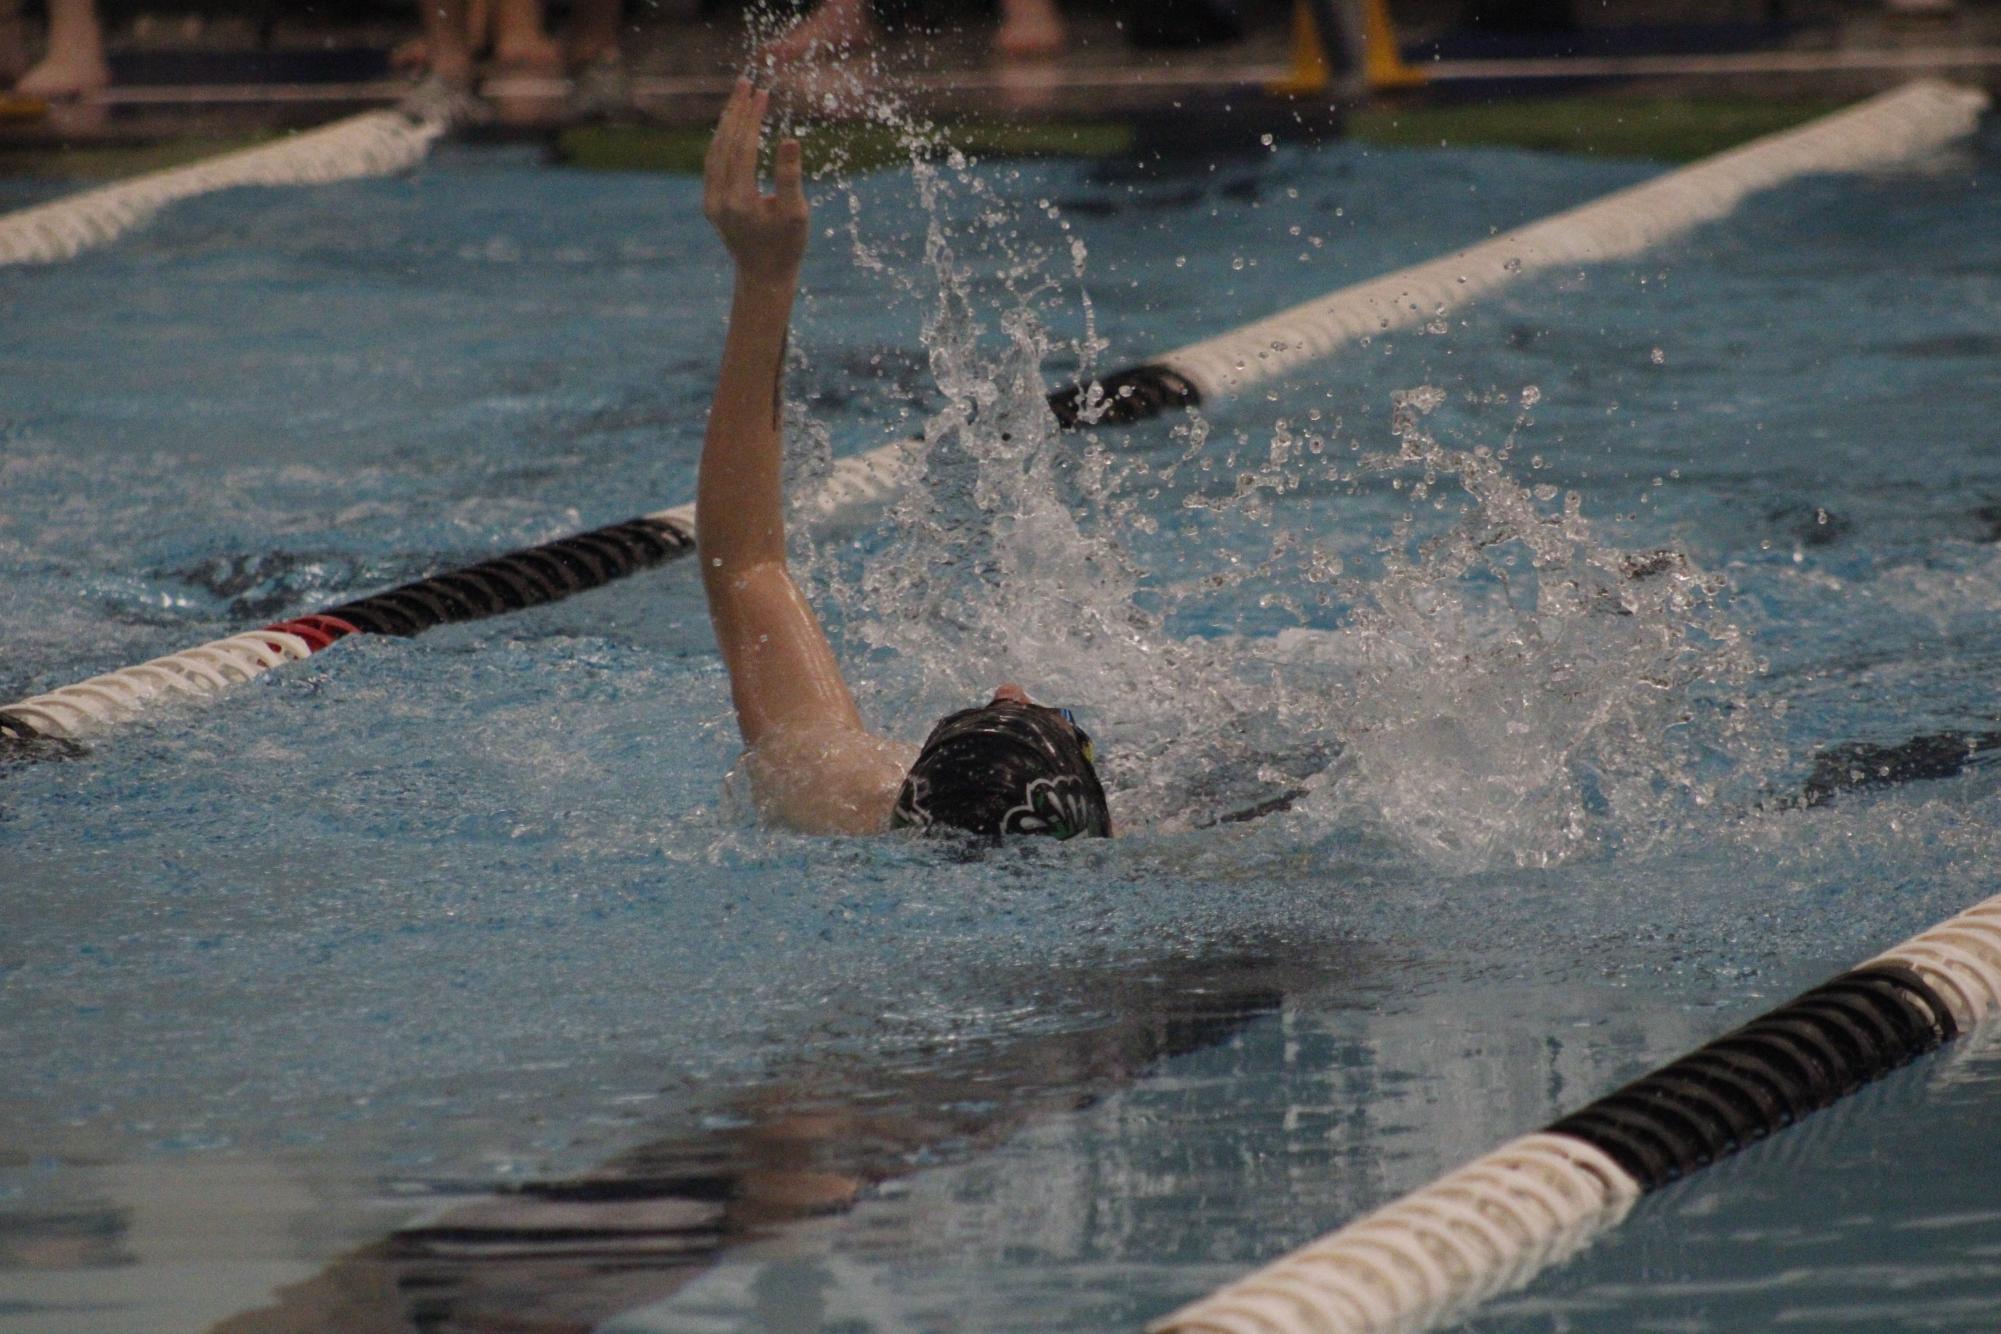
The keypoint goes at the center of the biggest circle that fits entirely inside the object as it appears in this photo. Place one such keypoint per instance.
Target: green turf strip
(112, 162)
(856, 147)
(1667, 129)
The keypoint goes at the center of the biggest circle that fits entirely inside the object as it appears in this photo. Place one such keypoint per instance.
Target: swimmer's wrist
(767, 282)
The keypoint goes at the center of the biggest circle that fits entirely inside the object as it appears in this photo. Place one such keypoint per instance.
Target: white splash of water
(1523, 692)
(990, 574)
(1001, 560)
(1513, 691)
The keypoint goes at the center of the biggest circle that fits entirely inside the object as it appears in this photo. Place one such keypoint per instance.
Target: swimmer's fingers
(750, 129)
(753, 132)
(720, 164)
(788, 178)
(740, 168)
(765, 234)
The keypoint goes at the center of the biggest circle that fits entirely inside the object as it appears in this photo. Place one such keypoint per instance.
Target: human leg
(448, 41)
(13, 42)
(521, 42)
(593, 33)
(75, 65)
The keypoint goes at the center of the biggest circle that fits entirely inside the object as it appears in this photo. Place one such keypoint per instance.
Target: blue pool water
(439, 980)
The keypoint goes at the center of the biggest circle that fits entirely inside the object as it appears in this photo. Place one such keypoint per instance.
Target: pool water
(440, 981)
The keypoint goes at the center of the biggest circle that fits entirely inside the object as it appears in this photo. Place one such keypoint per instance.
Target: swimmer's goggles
(1083, 737)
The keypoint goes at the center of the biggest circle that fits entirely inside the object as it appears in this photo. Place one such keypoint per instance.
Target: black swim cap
(1005, 768)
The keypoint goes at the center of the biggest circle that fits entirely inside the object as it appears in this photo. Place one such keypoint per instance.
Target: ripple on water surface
(473, 908)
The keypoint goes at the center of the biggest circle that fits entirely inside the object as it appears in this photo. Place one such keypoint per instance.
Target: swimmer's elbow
(747, 585)
(727, 562)
(808, 807)
(830, 780)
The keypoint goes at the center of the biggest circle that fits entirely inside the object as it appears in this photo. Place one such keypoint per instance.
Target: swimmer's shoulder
(824, 778)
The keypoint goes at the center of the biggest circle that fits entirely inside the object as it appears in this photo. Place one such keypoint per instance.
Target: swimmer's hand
(765, 233)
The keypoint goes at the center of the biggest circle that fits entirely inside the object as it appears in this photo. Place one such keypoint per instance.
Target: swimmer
(1008, 766)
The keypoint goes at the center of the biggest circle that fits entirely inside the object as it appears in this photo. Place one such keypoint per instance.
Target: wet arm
(783, 673)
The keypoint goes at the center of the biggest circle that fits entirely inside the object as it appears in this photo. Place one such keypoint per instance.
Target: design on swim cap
(912, 803)
(1056, 806)
(1005, 768)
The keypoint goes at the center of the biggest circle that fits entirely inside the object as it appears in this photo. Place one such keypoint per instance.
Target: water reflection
(569, 1254)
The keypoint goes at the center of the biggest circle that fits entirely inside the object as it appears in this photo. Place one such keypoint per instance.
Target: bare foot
(526, 81)
(65, 78)
(1030, 29)
(837, 27)
(528, 53)
(453, 68)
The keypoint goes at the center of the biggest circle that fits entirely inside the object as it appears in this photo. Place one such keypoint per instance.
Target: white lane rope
(206, 669)
(1494, 1224)
(1909, 122)
(375, 143)
(1894, 127)
(1481, 1230)
(1882, 131)
(1960, 959)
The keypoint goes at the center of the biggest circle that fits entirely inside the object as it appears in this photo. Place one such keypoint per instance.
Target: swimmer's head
(1008, 767)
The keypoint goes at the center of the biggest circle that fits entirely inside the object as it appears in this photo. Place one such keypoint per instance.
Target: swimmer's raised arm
(813, 764)
(1009, 766)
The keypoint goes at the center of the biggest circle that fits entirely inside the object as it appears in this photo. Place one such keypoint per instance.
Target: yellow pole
(1309, 73)
(15, 107)
(1383, 67)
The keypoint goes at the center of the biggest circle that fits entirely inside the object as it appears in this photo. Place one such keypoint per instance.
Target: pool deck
(217, 81)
